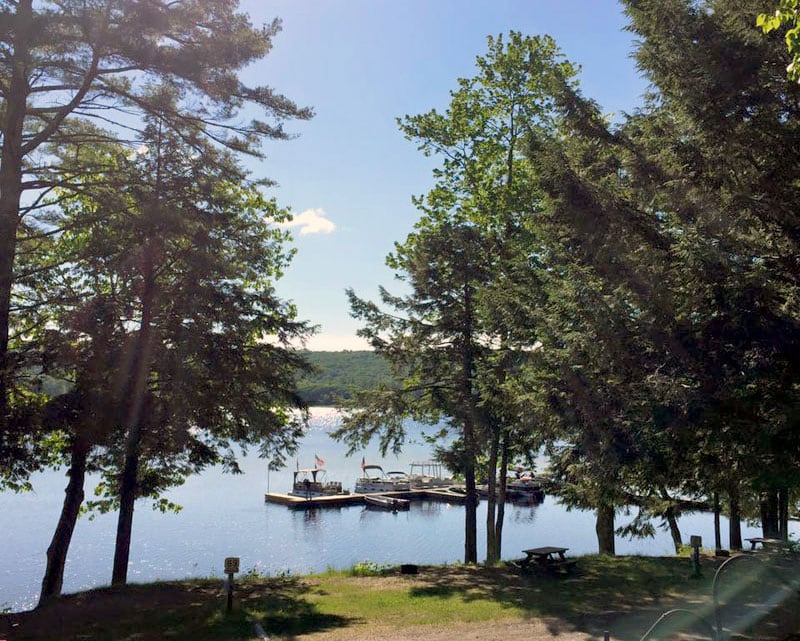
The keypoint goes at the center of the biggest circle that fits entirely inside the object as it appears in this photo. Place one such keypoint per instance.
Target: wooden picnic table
(764, 542)
(548, 558)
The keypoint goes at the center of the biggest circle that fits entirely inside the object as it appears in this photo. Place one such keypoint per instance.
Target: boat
(313, 482)
(525, 488)
(386, 503)
(374, 480)
(428, 474)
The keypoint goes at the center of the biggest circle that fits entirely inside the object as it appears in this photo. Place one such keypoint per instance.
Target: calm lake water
(226, 515)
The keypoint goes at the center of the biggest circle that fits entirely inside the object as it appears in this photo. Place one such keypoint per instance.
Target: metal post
(230, 592)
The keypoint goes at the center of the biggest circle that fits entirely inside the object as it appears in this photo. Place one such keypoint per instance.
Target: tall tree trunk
(137, 388)
(70, 509)
(127, 500)
(674, 530)
(470, 446)
(783, 513)
(471, 501)
(735, 519)
(672, 521)
(501, 494)
(11, 163)
(492, 554)
(770, 526)
(717, 529)
(604, 527)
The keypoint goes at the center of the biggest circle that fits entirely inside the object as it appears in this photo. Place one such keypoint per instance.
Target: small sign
(696, 541)
(231, 564)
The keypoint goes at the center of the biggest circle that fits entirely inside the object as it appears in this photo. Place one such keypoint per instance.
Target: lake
(226, 515)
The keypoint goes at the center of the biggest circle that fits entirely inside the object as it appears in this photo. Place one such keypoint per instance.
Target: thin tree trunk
(735, 520)
(136, 394)
(492, 556)
(674, 530)
(604, 528)
(73, 498)
(501, 494)
(471, 502)
(672, 521)
(717, 529)
(783, 513)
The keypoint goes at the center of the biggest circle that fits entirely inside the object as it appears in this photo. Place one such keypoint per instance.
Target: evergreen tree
(64, 64)
(181, 263)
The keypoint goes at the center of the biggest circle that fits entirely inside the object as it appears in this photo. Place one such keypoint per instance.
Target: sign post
(231, 568)
(696, 542)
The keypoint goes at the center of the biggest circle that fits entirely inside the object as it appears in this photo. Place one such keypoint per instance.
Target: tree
(485, 179)
(72, 62)
(683, 220)
(431, 340)
(181, 263)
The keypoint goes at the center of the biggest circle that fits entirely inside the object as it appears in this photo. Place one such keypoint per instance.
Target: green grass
(368, 595)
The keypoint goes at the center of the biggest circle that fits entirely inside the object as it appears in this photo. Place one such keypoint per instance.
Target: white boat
(314, 482)
(428, 474)
(374, 480)
(525, 487)
(386, 503)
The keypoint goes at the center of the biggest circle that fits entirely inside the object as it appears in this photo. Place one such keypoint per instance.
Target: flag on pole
(318, 461)
(363, 465)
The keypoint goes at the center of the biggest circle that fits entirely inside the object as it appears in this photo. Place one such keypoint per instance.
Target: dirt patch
(534, 630)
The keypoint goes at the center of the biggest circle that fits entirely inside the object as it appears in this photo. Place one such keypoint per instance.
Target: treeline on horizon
(338, 376)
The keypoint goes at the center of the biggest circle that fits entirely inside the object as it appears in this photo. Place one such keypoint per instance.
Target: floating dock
(344, 500)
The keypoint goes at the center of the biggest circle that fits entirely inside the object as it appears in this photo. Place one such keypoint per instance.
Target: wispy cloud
(311, 221)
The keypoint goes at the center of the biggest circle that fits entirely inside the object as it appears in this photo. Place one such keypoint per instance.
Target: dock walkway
(344, 500)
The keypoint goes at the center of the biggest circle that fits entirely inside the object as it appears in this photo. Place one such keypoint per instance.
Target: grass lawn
(623, 594)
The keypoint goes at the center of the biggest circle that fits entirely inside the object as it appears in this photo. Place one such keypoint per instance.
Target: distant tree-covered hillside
(339, 374)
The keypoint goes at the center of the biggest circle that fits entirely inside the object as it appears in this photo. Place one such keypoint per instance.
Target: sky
(349, 175)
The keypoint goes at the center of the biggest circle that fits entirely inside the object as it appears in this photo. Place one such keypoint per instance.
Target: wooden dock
(344, 500)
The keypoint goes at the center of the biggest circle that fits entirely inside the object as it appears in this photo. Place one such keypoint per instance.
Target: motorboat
(525, 488)
(375, 480)
(391, 503)
(428, 474)
(313, 482)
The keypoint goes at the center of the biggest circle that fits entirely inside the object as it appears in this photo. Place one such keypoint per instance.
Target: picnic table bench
(549, 558)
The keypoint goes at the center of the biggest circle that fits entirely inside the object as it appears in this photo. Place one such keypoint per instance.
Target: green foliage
(369, 568)
(786, 14)
(340, 376)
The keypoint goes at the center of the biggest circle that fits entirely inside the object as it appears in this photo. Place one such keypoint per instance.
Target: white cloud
(311, 221)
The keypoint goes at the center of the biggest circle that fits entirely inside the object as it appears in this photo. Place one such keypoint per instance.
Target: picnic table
(764, 542)
(548, 558)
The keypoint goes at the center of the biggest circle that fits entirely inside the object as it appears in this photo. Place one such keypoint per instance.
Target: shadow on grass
(184, 611)
(626, 595)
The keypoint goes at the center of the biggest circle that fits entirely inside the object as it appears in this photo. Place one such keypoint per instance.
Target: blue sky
(349, 175)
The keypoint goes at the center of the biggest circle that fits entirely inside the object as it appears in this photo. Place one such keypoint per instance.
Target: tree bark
(471, 502)
(604, 527)
(11, 165)
(717, 529)
(735, 520)
(783, 513)
(770, 526)
(136, 394)
(674, 530)
(492, 555)
(57, 552)
(501, 494)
